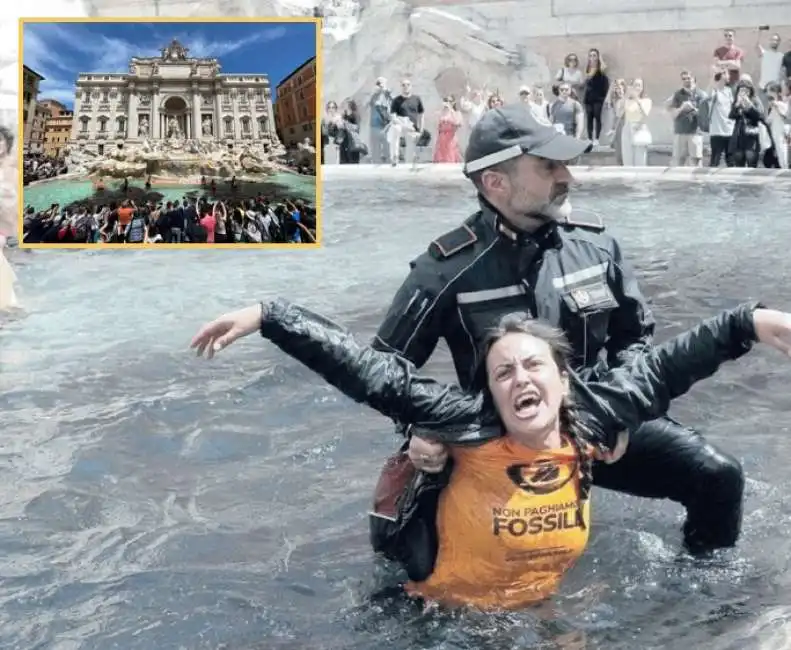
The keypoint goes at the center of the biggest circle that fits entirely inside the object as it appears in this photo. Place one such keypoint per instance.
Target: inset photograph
(169, 133)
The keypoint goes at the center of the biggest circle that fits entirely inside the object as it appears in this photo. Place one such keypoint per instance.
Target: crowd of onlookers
(204, 220)
(748, 123)
(38, 166)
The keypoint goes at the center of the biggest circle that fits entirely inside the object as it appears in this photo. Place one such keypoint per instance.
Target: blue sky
(60, 51)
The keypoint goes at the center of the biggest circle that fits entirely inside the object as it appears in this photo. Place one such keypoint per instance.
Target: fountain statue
(206, 125)
(142, 130)
(174, 131)
(305, 155)
(177, 158)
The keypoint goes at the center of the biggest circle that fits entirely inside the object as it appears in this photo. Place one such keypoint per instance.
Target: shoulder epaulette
(453, 242)
(587, 220)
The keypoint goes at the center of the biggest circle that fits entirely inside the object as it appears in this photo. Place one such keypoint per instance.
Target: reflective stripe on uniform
(578, 276)
(468, 297)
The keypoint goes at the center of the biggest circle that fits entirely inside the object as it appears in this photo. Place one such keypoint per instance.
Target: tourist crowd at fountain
(742, 122)
(39, 166)
(131, 216)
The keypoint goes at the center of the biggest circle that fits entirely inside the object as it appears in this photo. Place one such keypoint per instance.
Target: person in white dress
(635, 136)
(777, 112)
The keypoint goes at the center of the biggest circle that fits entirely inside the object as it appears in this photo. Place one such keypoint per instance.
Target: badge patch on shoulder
(454, 241)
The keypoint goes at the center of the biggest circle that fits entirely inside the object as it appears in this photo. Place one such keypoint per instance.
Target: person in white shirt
(571, 74)
(771, 62)
(720, 124)
(540, 106)
(774, 142)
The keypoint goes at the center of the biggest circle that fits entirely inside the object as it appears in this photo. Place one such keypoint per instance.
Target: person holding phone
(745, 146)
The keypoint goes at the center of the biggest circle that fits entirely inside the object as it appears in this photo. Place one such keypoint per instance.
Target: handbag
(641, 136)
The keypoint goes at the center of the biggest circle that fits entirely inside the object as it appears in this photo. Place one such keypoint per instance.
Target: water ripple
(151, 500)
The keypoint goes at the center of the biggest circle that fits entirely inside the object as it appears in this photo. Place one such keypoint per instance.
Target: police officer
(524, 250)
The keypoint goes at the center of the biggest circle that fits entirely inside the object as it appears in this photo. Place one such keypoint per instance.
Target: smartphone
(764, 28)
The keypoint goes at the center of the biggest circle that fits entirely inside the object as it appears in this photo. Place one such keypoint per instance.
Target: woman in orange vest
(515, 515)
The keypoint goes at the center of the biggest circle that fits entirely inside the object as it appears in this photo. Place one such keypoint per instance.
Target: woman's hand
(427, 456)
(226, 329)
(773, 328)
(613, 455)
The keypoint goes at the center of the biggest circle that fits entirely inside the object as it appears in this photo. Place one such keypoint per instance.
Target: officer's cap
(509, 131)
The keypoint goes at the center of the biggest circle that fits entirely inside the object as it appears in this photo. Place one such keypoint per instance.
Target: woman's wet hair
(571, 423)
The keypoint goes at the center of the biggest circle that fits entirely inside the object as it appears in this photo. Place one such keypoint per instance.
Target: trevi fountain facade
(174, 115)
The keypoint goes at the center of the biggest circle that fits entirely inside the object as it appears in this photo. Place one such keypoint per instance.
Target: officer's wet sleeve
(642, 389)
(382, 380)
(413, 322)
(631, 323)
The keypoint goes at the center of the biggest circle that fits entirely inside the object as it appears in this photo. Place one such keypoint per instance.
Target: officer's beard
(557, 208)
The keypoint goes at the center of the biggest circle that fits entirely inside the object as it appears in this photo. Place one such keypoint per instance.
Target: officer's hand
(773, 328)
(427, 456)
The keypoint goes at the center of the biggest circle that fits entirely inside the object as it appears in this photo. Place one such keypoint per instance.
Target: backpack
(80, 229)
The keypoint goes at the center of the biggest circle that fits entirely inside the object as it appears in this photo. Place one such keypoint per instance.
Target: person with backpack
(137, 230)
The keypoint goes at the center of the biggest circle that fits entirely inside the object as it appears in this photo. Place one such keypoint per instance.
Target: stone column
(270, 113)
(218, 123)
(196, 102)
(156, 131)
(237, 125)
(132, 121)
(76, 123)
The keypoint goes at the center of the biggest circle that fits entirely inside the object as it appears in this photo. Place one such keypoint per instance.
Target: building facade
(295, 107)
(57, 128)
(33, 116)
(172, 96)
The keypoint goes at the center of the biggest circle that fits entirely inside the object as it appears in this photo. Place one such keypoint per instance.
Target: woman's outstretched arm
(382, 380)
(642, 389)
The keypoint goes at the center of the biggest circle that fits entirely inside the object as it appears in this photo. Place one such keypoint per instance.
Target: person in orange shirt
(515, 515)
(125, 214)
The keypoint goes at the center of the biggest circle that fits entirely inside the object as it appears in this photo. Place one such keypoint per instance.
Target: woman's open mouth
(526, 405)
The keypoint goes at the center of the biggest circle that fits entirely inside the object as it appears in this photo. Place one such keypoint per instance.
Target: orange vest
(511, 522)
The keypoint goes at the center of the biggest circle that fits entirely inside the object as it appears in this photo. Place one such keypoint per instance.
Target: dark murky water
(151, 500)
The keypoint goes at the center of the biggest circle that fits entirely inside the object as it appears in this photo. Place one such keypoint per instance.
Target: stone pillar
(196, 102)
(156, 131)
(270, 113)
(76, 123)
(132, 121)
(237, 126)
(218, 123)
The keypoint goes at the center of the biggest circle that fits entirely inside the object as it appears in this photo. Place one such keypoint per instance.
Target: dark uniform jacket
(621, 399)
(571, 274)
